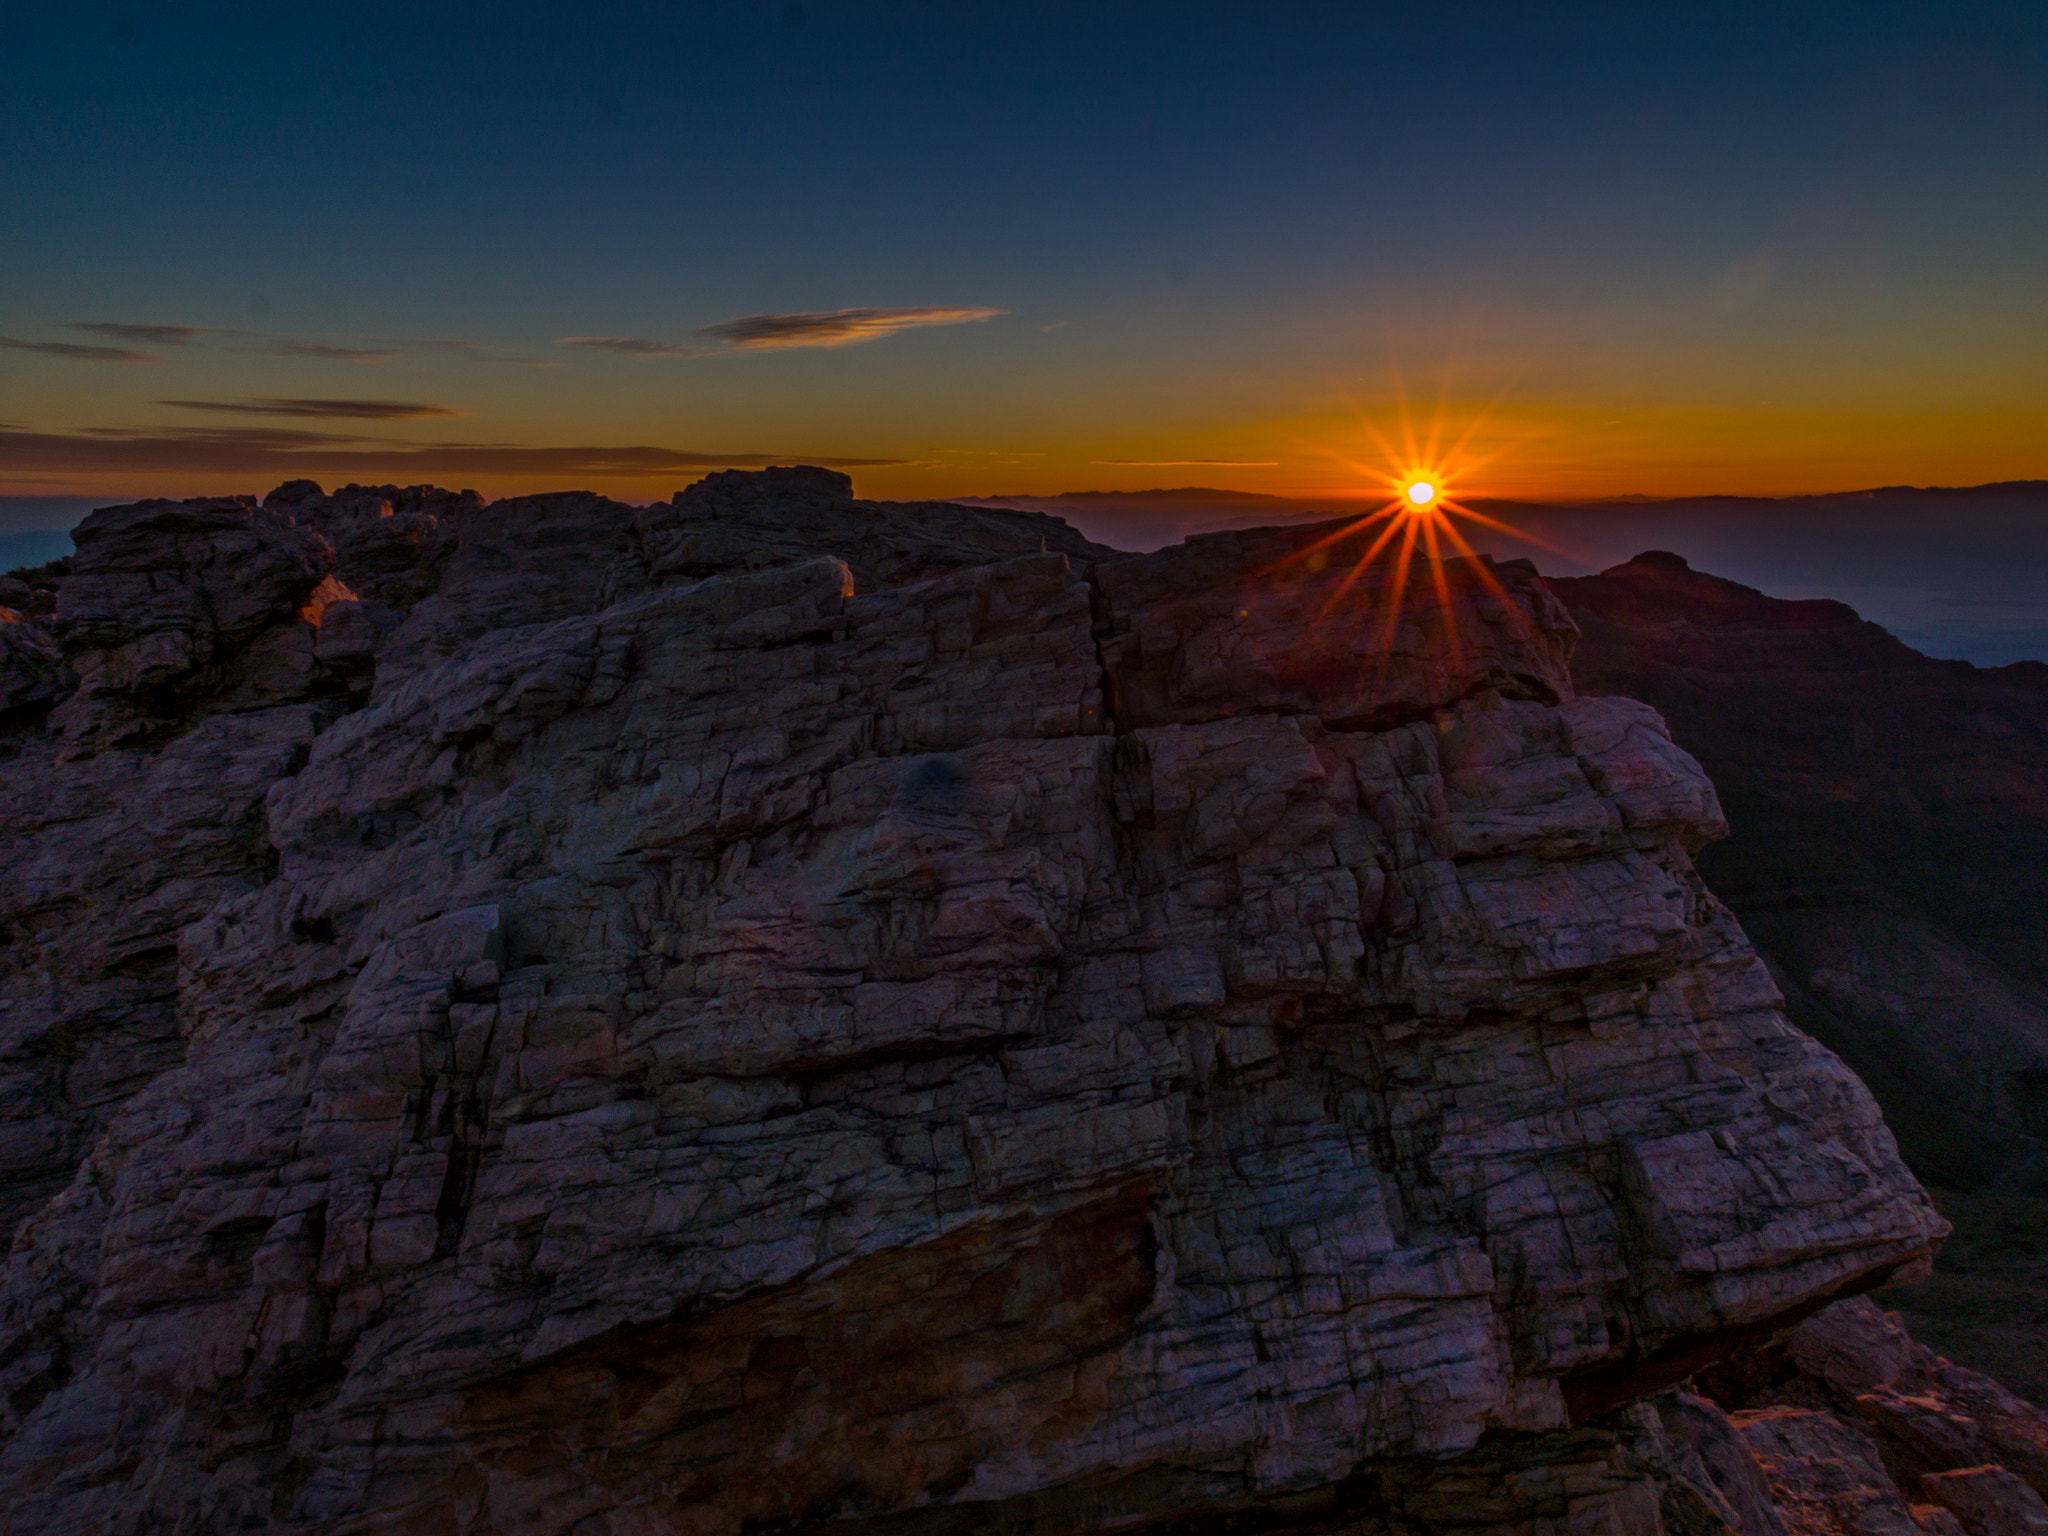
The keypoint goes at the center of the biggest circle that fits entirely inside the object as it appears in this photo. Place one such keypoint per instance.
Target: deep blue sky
(1725, 248)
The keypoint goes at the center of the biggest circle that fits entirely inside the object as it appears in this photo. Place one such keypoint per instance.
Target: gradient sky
(1771, 248)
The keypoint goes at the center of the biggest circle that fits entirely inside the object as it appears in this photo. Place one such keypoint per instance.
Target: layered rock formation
(773, 1011)
(1890, 817)
(1890, 820)
(1849, 1426)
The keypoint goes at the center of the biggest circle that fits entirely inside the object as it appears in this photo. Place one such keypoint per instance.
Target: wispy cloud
(289, 452)
(79, 352)
(629, 346)
(477, 352)
(152, 335)
(835, 327)
(364, 410)
(263, 343)
(1193, 463)
(220, 437)
(286, 346)
(768, 333)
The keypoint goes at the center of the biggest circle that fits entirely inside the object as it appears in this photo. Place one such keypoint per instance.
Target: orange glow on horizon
(1416, 519)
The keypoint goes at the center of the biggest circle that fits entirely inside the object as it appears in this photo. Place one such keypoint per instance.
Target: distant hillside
(1959, 572)
(1148, 520)
(34, 529)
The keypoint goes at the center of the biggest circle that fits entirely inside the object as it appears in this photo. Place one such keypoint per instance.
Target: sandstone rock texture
(772, 1011)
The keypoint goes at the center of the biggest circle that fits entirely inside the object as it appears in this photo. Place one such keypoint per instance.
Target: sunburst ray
(1427, 470)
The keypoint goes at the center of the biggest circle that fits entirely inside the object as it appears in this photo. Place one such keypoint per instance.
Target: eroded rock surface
(1890, 822)
(778, 1011)
(1855, 1428)
(1890, 819)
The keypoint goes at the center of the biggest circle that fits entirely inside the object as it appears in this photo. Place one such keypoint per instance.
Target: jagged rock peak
(768, 490)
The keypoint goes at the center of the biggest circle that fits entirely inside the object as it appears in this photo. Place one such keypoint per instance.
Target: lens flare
(1426, 489)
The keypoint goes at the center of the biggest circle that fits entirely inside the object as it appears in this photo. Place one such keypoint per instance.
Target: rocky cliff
(1889, 817)
(1890, 820)
(773, 1011)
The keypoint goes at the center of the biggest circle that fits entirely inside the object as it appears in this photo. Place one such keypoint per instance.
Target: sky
(1020, 249)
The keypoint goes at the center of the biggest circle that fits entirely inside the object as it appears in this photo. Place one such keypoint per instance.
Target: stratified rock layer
(1853, 1428)
(1890, 818)
(776, 1010)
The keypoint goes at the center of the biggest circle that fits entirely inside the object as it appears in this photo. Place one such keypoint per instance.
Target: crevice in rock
(1595, 1390)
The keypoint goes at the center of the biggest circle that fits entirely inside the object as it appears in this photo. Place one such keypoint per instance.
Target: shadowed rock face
(777, 1011)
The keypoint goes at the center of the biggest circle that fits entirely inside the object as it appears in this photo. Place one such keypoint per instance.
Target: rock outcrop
(773, 1011)
(1890, 817)
(1890, 820)
(1855, 1428)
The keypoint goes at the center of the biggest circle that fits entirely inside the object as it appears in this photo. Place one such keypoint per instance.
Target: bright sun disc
(1422, 493)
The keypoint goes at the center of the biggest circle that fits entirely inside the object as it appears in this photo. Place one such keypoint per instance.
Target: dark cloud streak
(629, 346)
(363, 410)
(836, 327)
(74, 350)
(152, 335)
(273, 344)
(230, 438)
(285, 346)
(290, 453)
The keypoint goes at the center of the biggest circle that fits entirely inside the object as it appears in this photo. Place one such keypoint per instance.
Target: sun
(1411, 538)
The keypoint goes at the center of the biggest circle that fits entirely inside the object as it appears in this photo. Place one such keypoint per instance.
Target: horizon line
(1306, 499)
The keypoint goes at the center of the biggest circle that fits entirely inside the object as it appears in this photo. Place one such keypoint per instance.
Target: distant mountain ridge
(1953, 571)
(1207, 495)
